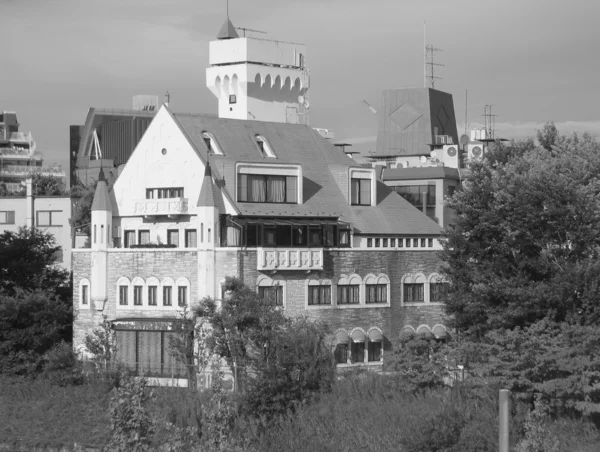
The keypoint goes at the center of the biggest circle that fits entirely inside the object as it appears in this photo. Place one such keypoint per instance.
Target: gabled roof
(324, 167)
(227, 31)
(101, 200)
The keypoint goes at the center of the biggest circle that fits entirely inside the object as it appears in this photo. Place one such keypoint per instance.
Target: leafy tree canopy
(525, 241)
(27, 261)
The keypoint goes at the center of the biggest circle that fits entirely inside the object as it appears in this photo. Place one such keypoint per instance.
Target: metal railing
(22, 170)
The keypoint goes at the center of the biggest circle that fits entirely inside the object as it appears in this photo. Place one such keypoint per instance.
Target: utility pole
(504, 432)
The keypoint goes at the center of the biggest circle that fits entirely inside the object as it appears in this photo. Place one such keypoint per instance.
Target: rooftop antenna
(490, 122)
(424, 54)
(244, 30)
(373, 109)
(227, 3)
(466, 108)
(168, 98)
(430, 52)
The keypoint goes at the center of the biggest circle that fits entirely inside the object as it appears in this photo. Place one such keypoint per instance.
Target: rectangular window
(269, 235)
(392, 243)
(167, 296)
(149, 193)
(7, 217)
(415, 243)
(374, 351)
(143, 237)
(84, 294)
(315, 236)
(384, 243)
(152, 291)
(400, 243)
(267, 189)
(319, 295)
(123, 295)
(422, 243)
(414, 293)
(162, 193)
(377, 242)
(450, 191)
(182, 296)
(344, 237)
(439, 291)
(418, 195)
(232, 99)
(376, 293)
(360, 192)
(129, 239)
(137, 295)
(430, 243)
(348, 294)
(47, 217)
(299, 235)
(173, 237)
(272, 293)
(191, 238)
(369, 243)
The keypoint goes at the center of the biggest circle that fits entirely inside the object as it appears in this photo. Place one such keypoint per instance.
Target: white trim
(275, 169)
(151, 281)
(182, 281)
(166, 282)
(362, 173)
(123, 281)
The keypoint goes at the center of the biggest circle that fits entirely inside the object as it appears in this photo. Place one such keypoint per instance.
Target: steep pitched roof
(101, 200)
(324, 167)
(209, 194)
(227, 31)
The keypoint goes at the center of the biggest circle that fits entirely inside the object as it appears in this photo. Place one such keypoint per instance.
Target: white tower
(210, 205)
(258, 79)
(100, 229)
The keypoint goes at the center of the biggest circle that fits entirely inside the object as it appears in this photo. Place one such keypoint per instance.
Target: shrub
(62, 366)
(131, 423)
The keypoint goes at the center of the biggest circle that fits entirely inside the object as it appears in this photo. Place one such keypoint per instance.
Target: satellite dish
(464, 139)
(301, 99)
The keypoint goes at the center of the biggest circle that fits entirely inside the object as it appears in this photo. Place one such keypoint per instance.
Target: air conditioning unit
(474, 151)
(450, 156)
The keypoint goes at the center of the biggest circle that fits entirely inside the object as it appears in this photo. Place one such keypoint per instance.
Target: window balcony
(21, 170)
(15, 153)
(163, 206)
(290, 259)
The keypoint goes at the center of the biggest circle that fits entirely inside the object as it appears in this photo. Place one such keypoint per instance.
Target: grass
(36, 414)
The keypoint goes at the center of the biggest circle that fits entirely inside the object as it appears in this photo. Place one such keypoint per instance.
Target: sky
(533, 60)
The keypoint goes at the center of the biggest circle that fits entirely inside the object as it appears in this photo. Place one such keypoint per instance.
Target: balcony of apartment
(289, 259)
(159, 207)
(24, 171)
(15, 153)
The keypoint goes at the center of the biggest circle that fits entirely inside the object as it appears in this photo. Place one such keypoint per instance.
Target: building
(18, 156)
(48, 213)
(272, 202)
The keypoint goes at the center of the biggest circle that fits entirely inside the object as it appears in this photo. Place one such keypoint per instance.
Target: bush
(62, 366)
(131, 423)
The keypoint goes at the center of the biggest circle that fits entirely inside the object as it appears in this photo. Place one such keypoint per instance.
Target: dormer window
(264, 147)
(211, 144)
(362, 187)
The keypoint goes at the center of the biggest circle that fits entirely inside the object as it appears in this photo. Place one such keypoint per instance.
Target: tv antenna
(244, 30)
(490, 122)
(429, 60)
(373, 109)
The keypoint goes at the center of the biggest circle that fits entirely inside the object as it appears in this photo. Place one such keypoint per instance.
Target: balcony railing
(15, 152)
(21, 170)
(290, 259)
(164, 206)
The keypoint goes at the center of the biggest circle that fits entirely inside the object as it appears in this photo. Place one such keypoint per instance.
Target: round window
(164, 151)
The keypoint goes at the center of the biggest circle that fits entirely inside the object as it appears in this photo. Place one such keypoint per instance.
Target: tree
(31, 323)
(280, 361)
(82, 213)
(28, 260)
(548, 136)
(525, 242)
(43, 185)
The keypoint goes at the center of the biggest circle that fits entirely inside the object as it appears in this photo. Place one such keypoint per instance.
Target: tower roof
(209, 194)
(227, 31)
(101, 199)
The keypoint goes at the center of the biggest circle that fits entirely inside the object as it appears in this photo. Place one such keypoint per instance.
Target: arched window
(167, 292)
(348, 290)
(123, 293)
(183, 292)
(377, 289)
(212, 146)
(271, 289)
(438, 288)
(152, 290)
(318, 292)
(375, 345)
(413, 288)
(84, 294)
(138, 291)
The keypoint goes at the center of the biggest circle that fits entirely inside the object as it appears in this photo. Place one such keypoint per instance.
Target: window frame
(187, 238)
(167, 289)
(50, 218)
(409, 289)
(244, 183)
(321, 288)
(9, 215)
(171, 231)
(210, 142)
(264, 147)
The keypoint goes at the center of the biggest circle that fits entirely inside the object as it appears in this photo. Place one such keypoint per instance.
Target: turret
(100, 229)
(210, 205)
(258, 79)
